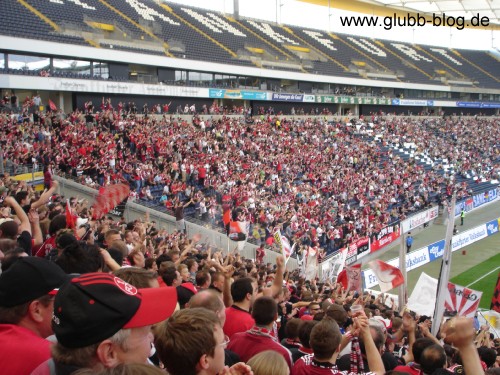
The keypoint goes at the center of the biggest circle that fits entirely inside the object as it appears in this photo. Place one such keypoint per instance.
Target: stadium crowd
(115, 297)
(323, 184)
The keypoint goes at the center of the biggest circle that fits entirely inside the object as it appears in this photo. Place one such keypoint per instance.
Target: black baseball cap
(29, 278)
(94, 306)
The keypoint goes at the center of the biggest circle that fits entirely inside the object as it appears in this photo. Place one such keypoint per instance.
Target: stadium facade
(154, 52)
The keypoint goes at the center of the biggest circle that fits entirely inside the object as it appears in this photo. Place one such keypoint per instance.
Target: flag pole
(402, 267)
(444, 276)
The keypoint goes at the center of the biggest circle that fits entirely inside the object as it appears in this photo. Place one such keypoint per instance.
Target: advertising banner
(362, 247)
(284, 97)
(383, 238)
(478, 105)
(351, 100)
(351, 256)
(436, 250)
(419, 219)
(309, 98)
(237, 94)
(468, 237)
(476, 201)
(492, 227)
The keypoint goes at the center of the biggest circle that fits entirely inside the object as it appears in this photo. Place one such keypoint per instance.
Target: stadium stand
(192, 33)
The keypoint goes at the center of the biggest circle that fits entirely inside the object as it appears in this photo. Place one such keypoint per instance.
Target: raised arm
(460, 333)
(44, 198)
(372, 353)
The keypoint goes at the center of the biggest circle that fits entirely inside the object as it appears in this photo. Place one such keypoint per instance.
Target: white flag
(331, 267)
(423, 297)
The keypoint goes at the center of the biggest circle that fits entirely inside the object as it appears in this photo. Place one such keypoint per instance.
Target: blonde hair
(269, 362)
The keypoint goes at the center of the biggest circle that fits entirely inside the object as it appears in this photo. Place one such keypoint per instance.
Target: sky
(293, 12)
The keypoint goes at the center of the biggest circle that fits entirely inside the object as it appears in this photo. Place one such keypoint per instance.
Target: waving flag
(423, 296)
(389, 277)
(495, 300)
(70, 218)
(350, 278)
(332, 267)
(461, 301)
(109, 197)
(52, 106)
(283, 244)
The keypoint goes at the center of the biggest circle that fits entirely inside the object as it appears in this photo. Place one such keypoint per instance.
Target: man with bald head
(211, 300)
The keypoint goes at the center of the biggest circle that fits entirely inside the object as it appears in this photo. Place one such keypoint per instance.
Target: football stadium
(277, 162)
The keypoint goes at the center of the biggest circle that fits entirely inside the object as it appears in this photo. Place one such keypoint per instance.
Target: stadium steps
(462, 56)
(171, 12)
(254, 33)
(400, 57)
(93, 43)
(449, 67)
(295, 35)
(39, 15)
(349, 45)
(142, 28)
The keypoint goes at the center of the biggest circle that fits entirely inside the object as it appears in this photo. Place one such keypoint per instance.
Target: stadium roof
(454, 8)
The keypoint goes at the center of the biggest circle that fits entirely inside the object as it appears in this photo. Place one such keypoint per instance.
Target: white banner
(419, 219)
(469, 236)
(332, 267)
(423, 297)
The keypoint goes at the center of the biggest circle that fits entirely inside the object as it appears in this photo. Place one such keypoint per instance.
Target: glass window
(71, 66)
(2, 60)
(200, 78)
(101, 70)
(29, 63)
(180, 76)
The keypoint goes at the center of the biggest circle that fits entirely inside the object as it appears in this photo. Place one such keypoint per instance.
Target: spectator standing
(101, 321)
(260, 337)
(27, 291)
(198, 350)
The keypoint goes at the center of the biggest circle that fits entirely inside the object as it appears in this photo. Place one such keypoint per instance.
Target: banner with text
(284, 97)
(384, 237)
(351, 100)
(461, 301)
(419, 219)
(476, 201)
(237, 94)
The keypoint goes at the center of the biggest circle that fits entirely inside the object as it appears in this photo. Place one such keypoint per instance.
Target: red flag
(52, 106)
(70, 219)
(389, 277)
(109, 197)
(342, 278)
(495, 300)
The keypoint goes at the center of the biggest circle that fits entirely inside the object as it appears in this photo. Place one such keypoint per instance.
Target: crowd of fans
(323, 184)
(84, 296)
(115, 297)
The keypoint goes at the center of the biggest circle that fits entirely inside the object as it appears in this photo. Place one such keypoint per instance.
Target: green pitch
(482, 277)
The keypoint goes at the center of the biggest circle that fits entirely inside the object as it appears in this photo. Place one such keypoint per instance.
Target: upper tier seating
(192, 33)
